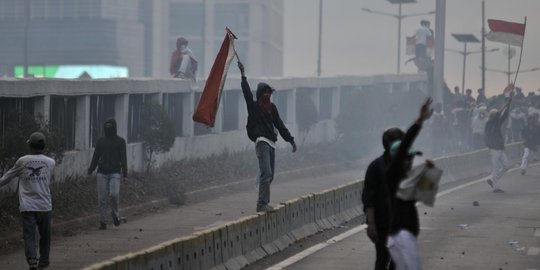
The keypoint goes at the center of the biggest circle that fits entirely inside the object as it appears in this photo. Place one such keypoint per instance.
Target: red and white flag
(207, 107)
(506, 32)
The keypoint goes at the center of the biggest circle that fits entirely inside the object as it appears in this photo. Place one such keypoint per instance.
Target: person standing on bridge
(495, 143)
(404, 222)
(111, 162)
(375, 200)
(263, 119)
(35, 172)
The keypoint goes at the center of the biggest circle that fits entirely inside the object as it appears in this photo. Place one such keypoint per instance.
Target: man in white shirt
(422, 35)
(34, 173)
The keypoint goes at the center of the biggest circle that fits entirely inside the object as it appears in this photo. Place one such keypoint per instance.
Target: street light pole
(399, 40)
(464, 66)
(320, 40)
(483, 46)
(509, 57)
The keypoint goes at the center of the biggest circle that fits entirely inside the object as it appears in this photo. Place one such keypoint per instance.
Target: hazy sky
(360, 43)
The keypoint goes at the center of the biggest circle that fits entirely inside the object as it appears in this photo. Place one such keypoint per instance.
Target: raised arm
(246, 90)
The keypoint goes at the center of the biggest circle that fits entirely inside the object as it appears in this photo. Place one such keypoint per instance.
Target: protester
(404, 222)
(183, 64)
(481, 98)
(495, 142)
(531, 140)
(422, 35)
(375, 199)
(469, 99)
(111, 162)
(35, 172)
(439, 131)
(263, 116)
(478, 125)
(518, 120)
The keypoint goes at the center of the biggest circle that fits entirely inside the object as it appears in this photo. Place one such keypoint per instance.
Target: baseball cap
(36, 137)
(395, 146)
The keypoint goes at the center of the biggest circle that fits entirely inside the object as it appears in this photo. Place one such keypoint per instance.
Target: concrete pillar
(42, 108)
(188, 106)
(121, 114)
(82, 123)
(336, 101)
(291, 107)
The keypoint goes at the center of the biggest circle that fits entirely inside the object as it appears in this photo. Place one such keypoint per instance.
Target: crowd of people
(460, 125)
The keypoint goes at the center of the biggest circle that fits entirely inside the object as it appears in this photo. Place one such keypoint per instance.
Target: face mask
(183, 48)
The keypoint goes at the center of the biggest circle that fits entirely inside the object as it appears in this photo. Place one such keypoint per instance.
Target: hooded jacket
(259, 123)
(110, 153)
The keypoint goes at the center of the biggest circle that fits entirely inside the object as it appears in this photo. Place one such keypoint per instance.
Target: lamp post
(399, 16)
(465, 53)
(464, 38)
(511, 72)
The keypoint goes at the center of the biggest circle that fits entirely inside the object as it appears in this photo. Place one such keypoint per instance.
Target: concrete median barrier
(239, 243)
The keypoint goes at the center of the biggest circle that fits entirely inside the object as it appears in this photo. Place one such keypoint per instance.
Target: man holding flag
(263, 119)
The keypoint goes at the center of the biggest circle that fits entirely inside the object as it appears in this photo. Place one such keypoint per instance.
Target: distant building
(119, 38)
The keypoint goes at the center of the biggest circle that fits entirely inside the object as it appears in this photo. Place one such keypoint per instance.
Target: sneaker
(116, 221)
(498, 190)
(490, 183)
(523, 171)
(265, 208)
(102, 226)
(43, 266)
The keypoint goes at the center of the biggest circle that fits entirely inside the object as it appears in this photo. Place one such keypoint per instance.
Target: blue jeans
(108, 187)
(43, 222)
(266, 156)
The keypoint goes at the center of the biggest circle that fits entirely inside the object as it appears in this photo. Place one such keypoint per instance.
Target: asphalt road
(499, 231)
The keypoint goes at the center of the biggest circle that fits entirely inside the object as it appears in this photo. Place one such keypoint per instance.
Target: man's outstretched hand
(241, 67)
(425, 111)
(293, 146)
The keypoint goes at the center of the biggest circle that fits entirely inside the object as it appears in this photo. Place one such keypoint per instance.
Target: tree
(157, 131)
(306, 115)
(17, 128)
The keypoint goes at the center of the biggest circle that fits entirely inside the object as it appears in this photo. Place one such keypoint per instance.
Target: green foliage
(157, 131)
(17, 129)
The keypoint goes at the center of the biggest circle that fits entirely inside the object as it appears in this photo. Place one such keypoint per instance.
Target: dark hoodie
(260, 123)
(110, 153)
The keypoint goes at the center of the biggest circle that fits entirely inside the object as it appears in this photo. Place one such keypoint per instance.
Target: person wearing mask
(35, 173)
(375, 200)
(494, 140)
(404, 222)
(111, 162)
(263, 120)
(478, 125)
(183, 64)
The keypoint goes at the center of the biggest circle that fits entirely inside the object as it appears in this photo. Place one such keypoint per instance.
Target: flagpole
(521, 51)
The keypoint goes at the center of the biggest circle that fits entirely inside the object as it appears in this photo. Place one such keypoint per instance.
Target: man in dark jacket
(495, 142)
(263, 119)
(375, 200)
(531, 140)
(404, 223)
(110, 159)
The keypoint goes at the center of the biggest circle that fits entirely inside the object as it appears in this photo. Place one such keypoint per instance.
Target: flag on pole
(207, 107)
(506, 32)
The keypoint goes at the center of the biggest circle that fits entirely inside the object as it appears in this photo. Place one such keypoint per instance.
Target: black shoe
(498, 190)
(116, 221)
(43, 266)
(102, 226)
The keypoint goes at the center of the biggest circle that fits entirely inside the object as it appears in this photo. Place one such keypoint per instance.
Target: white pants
(499, 163)
(403, 248)
(527, 153)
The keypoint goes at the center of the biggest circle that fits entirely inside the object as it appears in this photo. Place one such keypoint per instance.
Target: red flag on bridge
(506, 32)
(207, 107)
